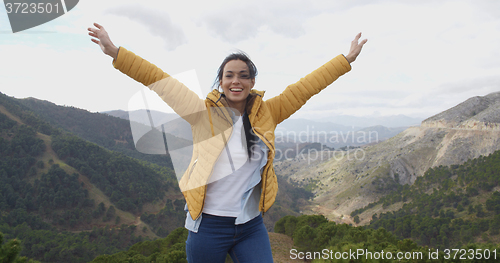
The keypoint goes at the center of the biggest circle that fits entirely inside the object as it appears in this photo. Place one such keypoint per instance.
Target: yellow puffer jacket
(211, 124)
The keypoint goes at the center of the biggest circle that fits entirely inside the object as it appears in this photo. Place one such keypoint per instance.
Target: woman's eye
(244, 76)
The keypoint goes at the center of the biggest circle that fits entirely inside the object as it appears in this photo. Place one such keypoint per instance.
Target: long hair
(250, 136)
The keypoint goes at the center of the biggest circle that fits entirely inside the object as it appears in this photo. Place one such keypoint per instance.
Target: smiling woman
(229, 184)
(236, 76)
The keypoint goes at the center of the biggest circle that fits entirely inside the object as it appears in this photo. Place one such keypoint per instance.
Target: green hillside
(318, 240)
(68, 200)
(447, 207)
(106, 131)
(37, 213)
(73, 187)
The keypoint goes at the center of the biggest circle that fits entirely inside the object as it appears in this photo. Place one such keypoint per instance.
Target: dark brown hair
(240, 55)
(251, 138)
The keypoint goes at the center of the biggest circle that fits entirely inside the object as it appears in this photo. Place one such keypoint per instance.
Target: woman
(230, 180)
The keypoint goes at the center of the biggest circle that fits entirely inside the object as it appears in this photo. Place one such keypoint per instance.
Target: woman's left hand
(355, 48)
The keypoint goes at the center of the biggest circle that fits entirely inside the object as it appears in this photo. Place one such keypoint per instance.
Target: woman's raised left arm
(296, 95)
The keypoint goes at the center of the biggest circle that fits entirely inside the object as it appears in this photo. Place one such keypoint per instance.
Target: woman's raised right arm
(126, 61)
(182, 100)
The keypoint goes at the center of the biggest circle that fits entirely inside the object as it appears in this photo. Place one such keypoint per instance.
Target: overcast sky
(422, 57)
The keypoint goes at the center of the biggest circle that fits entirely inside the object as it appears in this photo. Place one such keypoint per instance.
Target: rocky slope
(345, 181)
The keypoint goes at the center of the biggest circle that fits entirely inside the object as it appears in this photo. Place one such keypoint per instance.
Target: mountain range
(113, 186)
(350, 180)
(334, 122)
(346, 179)
(290, 131)
(391, 121)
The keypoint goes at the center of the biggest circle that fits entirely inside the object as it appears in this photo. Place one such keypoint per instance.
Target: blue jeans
(217, 236)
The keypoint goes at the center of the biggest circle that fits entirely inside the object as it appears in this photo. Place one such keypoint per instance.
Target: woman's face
(236, 83)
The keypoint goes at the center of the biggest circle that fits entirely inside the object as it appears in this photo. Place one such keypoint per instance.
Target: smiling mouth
(236, 89)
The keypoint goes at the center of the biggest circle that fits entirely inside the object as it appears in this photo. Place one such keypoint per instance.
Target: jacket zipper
(264, 183)
(192, 168)
(211, 171)
(265, 172)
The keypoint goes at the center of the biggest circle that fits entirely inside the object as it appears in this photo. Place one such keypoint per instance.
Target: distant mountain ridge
(290, 130)
(335, 122)
(479, 112)
(157, 116)
(391, 121)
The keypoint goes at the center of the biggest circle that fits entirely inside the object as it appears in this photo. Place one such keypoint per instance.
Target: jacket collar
(253, 100)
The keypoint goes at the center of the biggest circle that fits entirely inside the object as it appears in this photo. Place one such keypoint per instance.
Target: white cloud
(157, 22)
(421, 57)
(244, 21)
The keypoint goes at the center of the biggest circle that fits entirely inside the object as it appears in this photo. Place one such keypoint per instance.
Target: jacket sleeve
(296, 95)
(182, 100)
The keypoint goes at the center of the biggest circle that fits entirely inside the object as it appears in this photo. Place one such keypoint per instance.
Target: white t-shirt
(231, 176)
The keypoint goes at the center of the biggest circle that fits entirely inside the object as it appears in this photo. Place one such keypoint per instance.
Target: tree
(470, 209)
(286, 225)
(493, 204)
(303, 238)
(9, 252)
(110, 214)
(480, 211)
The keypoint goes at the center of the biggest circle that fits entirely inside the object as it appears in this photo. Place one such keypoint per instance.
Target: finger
(95, 41)
(356, 40)
(363, 42)
(97, 25)
(358, 36)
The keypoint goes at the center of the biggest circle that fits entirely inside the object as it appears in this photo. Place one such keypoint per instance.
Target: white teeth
(236, 89)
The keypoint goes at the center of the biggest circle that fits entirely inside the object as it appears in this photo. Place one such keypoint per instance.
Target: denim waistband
(226, 220)
(221, 219)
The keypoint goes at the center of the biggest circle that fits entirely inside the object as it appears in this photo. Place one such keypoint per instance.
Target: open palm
(101, 38)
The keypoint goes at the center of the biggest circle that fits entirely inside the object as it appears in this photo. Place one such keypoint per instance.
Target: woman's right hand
(103, 40)
(355, 48)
